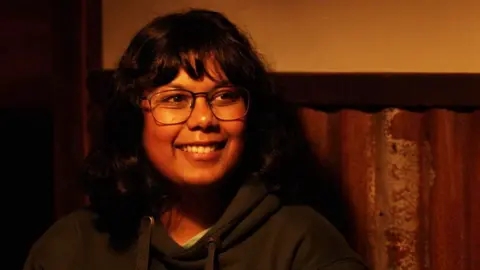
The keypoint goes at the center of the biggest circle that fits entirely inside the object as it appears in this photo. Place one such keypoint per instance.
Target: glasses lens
(175, 106)
(230, 103)
(171, 107)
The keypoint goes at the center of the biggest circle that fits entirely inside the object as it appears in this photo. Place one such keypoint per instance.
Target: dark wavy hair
(121, 183)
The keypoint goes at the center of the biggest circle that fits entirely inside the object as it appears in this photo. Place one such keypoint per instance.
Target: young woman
(191, 134)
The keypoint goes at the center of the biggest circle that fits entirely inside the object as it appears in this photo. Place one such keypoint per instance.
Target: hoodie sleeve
(322, 247)
(56, 248)
(311, 256)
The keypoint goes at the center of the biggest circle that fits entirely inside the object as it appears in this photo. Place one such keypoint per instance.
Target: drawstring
(143, 248)
(211, 263)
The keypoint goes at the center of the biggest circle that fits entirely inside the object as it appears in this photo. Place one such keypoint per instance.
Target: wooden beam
(380, 89)
(358, 89)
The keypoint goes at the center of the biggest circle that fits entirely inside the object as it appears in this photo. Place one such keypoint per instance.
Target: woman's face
(184, 152)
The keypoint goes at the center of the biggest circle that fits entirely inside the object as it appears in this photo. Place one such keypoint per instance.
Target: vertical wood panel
(76, 51)
(42, 105)
(25, 73)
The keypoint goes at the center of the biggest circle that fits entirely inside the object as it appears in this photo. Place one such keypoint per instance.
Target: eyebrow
(178, 86)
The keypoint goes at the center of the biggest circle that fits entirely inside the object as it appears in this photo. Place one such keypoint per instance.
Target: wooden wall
(46, 48)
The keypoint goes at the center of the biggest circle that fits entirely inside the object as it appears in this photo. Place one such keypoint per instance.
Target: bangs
(201, 47)
(216, 65)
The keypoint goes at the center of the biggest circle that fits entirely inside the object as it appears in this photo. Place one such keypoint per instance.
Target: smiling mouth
(202, 148)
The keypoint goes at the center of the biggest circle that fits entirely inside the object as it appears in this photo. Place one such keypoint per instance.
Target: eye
(175, 98)
(225, 97)
(171, 99)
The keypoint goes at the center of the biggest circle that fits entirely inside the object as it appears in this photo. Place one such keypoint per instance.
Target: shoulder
(305, 221)
(61, 241)
(67, 229)
(319, 245)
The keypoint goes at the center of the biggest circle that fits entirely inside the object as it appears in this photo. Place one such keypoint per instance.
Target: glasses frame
(195, 95)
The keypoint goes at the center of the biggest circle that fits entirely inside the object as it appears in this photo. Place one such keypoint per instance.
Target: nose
(202, 116)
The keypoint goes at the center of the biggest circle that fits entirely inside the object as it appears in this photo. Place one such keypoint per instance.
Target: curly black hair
(121, 183)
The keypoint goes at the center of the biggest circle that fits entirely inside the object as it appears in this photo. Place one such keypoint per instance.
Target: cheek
(236, 135)
(157, 142)
(233, 129)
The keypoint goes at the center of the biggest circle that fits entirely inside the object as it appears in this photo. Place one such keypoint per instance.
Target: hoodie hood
(251, 206)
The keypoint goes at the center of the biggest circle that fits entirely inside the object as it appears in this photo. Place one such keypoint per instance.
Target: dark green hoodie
(255, 232)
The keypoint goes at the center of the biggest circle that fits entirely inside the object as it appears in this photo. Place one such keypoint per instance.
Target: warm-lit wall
(330, 36)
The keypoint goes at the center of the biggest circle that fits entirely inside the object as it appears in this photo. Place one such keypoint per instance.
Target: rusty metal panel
(410, 179)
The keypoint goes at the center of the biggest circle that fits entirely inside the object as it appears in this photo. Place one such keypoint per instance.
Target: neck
(193, 212)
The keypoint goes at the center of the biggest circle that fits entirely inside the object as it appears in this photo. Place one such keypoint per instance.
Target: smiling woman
(195, 136)
(183, 180)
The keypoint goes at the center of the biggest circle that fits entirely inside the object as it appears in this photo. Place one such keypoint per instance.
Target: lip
(200, 143)
(210, 157)
(202, 157)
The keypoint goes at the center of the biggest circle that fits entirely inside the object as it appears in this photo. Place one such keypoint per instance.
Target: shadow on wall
(26, 143)
(306, 180)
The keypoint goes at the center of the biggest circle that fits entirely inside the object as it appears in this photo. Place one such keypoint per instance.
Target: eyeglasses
(175, 106)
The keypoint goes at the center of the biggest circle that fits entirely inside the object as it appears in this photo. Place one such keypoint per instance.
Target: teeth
(198, 149)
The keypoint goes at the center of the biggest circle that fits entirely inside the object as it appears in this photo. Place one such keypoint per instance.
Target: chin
(201, 180)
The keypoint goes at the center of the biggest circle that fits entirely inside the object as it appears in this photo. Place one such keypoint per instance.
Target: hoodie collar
(252, 205)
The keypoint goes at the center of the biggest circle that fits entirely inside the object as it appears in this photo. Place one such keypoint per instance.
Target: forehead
(212, 77)
(208, 79)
